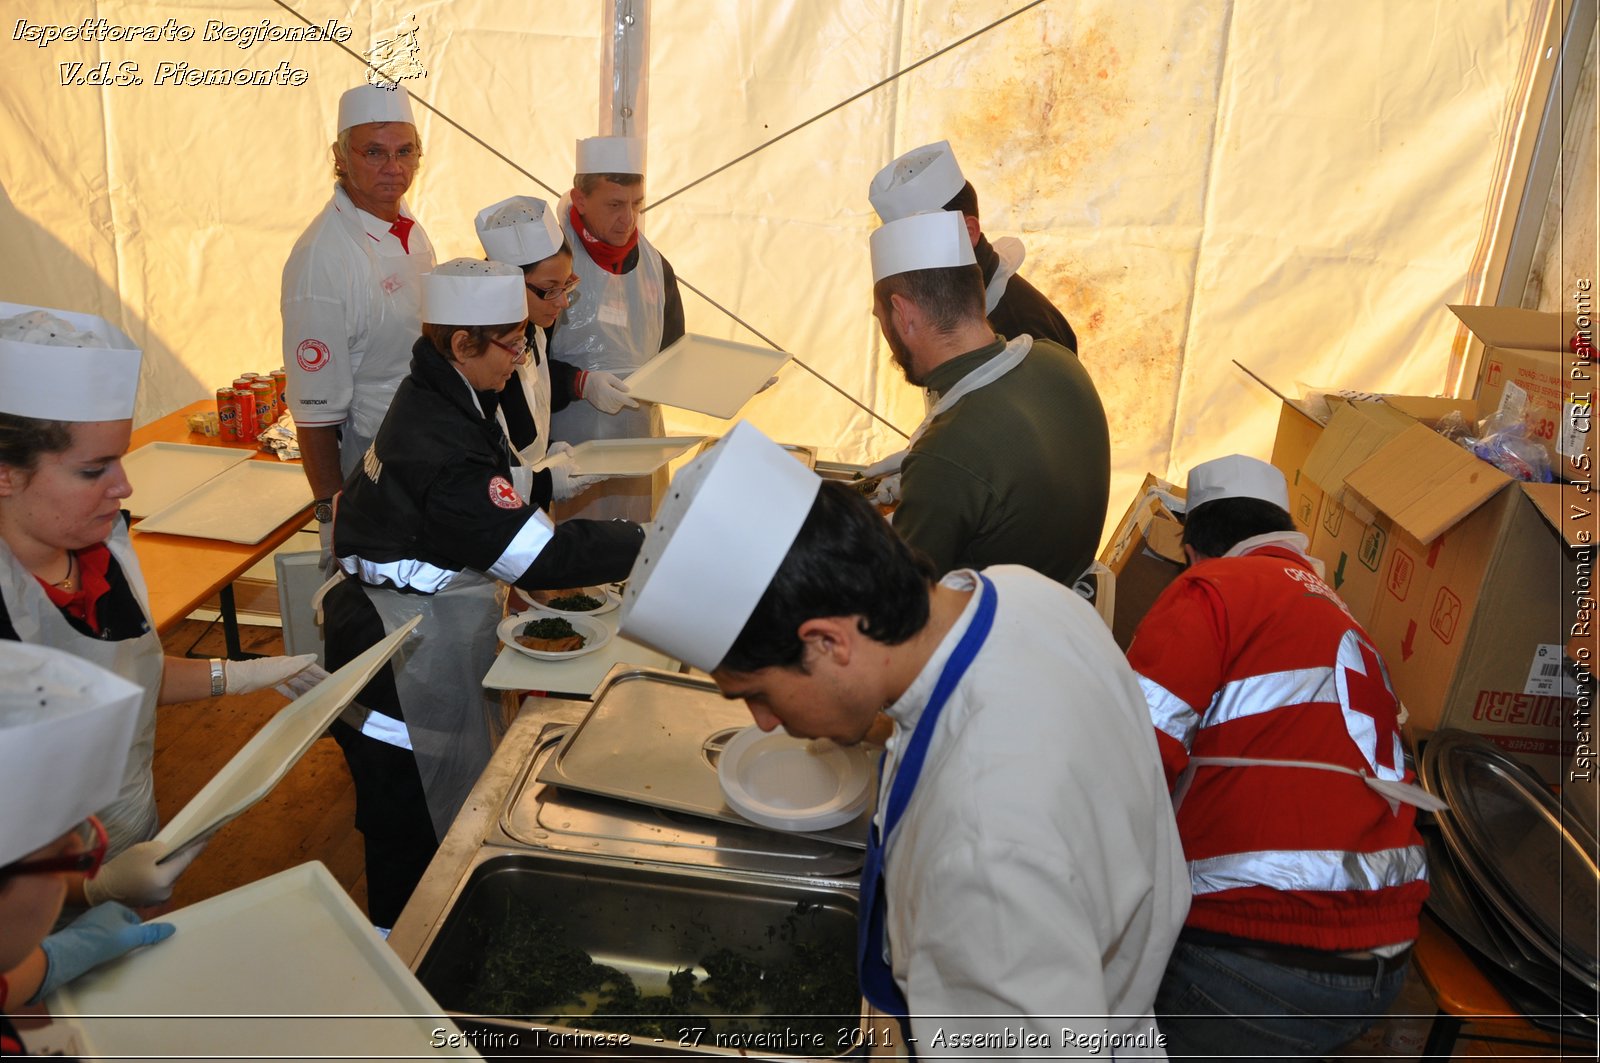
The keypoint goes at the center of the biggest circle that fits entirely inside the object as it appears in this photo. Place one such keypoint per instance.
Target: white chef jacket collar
(371, 224)
(907, 708)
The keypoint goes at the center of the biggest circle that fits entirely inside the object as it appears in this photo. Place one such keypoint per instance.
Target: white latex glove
(564, 482)
(325, 543)
(134, 878)
(604, 391)
(557, 448)
(522, 482)
(292, 676)
(887, 493)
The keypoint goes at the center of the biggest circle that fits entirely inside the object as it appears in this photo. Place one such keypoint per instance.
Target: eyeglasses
(86, 859)
(549, 295)
(407, 157)
(515, 352)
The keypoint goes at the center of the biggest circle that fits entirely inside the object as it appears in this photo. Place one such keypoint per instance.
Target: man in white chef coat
(1012, 464)
(930, 178)
(627, 311)
(350, 303)
(1024, 873)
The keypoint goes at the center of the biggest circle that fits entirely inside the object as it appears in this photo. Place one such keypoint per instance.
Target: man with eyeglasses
(350, 302)
(65, 726)
(630, 310)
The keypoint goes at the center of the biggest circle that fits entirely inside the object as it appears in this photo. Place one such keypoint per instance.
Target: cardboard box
(1531, 350)
(1144, 555)
(1468, 600)
(1297, 434)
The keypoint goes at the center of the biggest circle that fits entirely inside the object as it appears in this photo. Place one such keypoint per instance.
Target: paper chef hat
(374, 103)
(58, 365)
(933, 240)
(469, 291)
(66, 726)
(724, 528)
(521, 230)
(1236, 476)
(924, 178)
(611, 155)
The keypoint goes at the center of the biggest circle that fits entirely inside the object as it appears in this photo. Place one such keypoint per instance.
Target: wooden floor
(310, 815)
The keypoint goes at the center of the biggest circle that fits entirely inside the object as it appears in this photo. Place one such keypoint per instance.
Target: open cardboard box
(1531, 350)
(1470, 583)
(1144, 555)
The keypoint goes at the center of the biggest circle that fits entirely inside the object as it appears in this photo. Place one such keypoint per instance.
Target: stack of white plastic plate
(787, 783)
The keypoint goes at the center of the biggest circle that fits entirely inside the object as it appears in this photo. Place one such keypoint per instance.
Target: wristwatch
(322, 509)
(219, 678)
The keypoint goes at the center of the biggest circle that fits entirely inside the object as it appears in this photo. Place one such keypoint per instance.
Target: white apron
(452, 722)
(1016, 350)
(393, 325)
(1011, 253)
(616, 326)
(535, 382)
(131, 818)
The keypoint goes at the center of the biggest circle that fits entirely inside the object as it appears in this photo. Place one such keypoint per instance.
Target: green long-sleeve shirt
(1017, 472)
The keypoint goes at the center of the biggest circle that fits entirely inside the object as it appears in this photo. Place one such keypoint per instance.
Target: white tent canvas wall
(1301, 185)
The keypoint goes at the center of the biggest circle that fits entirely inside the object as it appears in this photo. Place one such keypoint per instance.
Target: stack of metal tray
(1516, 878)
(652, 738)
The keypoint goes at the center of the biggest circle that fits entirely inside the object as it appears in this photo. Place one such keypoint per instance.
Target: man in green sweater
(1013, 463)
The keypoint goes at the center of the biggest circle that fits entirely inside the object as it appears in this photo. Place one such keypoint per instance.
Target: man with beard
(1012, 464)
(929, 178)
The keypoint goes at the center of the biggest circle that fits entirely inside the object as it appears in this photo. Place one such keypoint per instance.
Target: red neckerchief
(402, 229)
(607, 256)
(93, 562)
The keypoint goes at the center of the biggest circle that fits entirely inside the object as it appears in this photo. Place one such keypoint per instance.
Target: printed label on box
(1371, 550)
(1446, 615)
(1400, 572)
(1547, 676)
(1575, 426)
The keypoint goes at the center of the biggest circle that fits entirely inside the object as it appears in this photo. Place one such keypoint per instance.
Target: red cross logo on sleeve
(1369, 706)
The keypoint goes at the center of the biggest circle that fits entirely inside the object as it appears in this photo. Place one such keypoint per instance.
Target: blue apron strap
(877, 979)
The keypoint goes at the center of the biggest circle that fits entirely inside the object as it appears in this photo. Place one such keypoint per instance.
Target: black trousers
(391, 807)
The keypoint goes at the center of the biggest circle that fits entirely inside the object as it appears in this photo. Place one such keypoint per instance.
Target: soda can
(242, 383)
(228, 415)
(266, 405)
(280, 381)
(248, 429)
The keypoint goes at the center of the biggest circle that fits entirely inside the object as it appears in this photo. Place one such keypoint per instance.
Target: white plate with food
(553, 638)
(776, 780)
(591, 601)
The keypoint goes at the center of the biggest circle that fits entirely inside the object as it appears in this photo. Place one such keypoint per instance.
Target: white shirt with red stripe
(351, 306)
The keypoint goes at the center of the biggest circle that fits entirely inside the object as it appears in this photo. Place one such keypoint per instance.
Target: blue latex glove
(103, 933)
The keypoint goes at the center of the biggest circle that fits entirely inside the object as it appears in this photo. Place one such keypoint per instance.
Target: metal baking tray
(653, 738)
(650, 924)
(541, 816)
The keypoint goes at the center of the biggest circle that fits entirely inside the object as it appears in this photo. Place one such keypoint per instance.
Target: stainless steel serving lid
(652, 735)
(1508, 833)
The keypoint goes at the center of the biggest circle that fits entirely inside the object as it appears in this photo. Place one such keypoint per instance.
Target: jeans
(1216, 1002)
